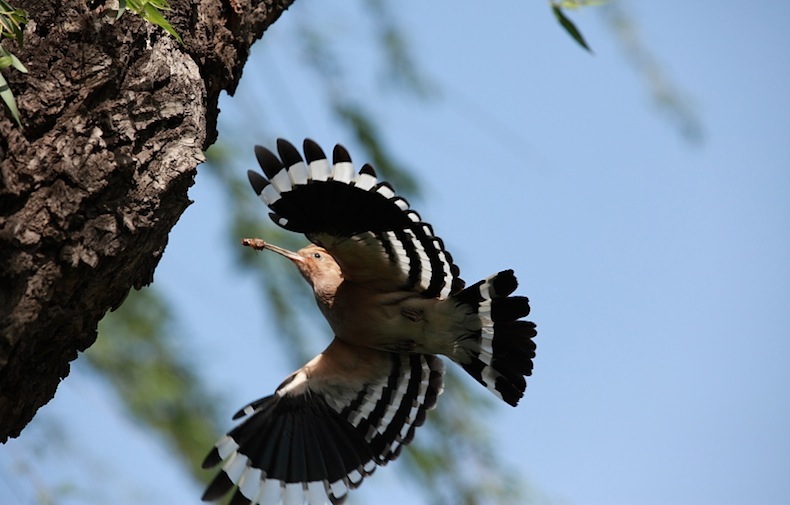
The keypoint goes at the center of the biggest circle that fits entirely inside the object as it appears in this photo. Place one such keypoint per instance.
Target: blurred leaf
(668, 97)
(569, 27)
(578, 4)
(400, 68)
(138, 351)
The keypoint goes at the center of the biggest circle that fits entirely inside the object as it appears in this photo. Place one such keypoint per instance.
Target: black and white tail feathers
(499, 354)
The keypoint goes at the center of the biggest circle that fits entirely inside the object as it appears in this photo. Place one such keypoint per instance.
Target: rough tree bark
(116, 116)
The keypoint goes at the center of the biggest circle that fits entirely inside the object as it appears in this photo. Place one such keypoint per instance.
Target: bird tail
(492, 344)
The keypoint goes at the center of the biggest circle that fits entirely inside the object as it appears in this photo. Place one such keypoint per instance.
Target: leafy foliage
(666, 94)
(151, 11)
(138, 352)
(12, 22)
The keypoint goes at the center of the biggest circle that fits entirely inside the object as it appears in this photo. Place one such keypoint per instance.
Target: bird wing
(375, 237)
(328, 425)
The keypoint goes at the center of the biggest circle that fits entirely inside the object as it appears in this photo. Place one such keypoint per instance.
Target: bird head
(316, 265)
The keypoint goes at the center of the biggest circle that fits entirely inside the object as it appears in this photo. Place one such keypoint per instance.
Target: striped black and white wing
(327, 427)
(370, 231)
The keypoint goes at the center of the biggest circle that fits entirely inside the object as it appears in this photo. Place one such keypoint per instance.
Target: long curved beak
(260, 245)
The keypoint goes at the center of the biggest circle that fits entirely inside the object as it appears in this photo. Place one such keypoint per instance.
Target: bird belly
(400, 321)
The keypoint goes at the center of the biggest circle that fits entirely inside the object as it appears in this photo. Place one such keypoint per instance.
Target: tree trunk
(116, 115)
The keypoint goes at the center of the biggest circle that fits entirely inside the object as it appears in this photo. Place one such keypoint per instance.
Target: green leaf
(161, 5)
(17, 64)
(150, 10)
(7, 59)
(569, 26)
(9, 100)
(152, 14)
(11, 22)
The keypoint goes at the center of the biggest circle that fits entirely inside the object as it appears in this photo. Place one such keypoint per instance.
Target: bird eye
(317, 256)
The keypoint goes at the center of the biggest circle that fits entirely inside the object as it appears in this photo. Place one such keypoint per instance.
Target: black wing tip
(509, 309)
(268, 161)
(212, 459)
(340, 154)
(509, 393)
(505, 283)
(288, 153)
(312, 150)
(239, 499)
(283, 144)
(368, 169)
(257, 181)
(509, 384)
(218, 487)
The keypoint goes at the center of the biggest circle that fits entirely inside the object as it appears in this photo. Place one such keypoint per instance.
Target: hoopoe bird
(394, 299)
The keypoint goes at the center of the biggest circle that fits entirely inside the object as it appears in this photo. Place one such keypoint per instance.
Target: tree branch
(116, 115)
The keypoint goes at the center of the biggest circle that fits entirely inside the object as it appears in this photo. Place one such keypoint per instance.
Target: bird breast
(400, 321)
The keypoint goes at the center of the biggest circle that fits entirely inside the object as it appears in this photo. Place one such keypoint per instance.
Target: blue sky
(658, 269)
